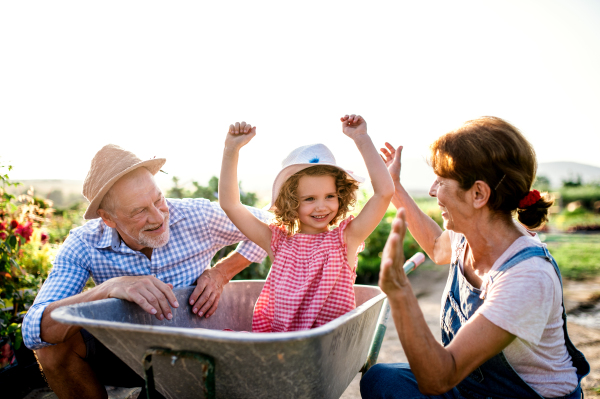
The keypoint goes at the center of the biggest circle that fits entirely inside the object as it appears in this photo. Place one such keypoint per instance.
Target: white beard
(155, 242)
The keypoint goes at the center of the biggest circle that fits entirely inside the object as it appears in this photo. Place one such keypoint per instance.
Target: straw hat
(110, 164)
(302, 158)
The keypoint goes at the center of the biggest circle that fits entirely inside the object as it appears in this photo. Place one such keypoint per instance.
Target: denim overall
(496, 376)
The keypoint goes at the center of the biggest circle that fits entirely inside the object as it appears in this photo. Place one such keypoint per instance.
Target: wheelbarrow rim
(67, 315)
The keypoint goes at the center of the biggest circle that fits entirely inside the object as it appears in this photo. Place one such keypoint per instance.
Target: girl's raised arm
(229, 194)
(355, 127)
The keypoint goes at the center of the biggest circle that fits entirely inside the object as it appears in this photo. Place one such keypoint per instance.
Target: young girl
(313, 271)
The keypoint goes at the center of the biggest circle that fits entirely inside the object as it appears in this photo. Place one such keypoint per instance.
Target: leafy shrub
(369, 259)
(25, 255)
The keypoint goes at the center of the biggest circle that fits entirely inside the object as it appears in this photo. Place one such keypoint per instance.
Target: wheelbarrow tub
(317, 363)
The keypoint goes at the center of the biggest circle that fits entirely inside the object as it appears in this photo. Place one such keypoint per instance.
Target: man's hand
(392, 160)
(354, 126)
(392, 278)
(206, 295)
(239, 135)
(150, 293)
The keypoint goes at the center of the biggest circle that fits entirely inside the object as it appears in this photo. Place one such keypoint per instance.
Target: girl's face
(451, 201)
(319, 204)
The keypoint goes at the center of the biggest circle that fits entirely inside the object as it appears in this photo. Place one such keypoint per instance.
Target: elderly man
(137, 247)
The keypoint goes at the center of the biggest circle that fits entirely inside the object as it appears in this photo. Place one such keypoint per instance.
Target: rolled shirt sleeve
(225, 233)
(70, 271)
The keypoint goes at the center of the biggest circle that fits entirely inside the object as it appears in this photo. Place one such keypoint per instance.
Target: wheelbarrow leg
(206, 364)
(378, 338)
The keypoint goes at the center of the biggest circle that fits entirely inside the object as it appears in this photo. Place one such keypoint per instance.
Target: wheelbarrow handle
(410, 265)
(413, 262)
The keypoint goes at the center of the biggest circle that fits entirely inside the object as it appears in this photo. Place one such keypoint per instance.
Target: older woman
(504, 330)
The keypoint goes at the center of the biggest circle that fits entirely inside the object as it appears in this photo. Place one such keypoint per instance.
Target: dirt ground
(428, 285)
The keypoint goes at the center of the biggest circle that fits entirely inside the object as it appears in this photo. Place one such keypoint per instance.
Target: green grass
(577, 255)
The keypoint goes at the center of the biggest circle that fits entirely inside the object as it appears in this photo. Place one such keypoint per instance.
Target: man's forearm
(54, 332)
(231, 265)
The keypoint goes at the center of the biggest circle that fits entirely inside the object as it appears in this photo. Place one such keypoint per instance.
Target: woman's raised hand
(391, 156)
(353, 126)
(392, 278)
(239, 135)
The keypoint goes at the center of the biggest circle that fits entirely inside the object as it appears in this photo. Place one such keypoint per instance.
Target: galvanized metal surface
(317, 363)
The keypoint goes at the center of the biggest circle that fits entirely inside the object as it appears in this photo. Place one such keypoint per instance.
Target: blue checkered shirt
(198, 229)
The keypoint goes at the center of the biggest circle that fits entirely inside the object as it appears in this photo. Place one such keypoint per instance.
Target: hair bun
(534, 215)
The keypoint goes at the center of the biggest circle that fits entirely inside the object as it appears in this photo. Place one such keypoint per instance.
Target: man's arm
(209, 286)
(68, 276)
(151, 294)
(65, 282)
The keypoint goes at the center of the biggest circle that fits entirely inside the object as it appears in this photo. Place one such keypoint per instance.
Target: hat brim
(291, 170)
(153, 166)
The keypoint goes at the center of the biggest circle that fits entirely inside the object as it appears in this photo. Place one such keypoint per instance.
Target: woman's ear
(481, 194)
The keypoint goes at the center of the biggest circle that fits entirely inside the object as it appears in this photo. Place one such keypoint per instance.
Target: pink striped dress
(310, 282)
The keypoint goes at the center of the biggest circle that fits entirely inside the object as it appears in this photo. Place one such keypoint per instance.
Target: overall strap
(579, 361)
(522, 255)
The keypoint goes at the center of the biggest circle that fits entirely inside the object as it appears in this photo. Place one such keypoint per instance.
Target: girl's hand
(391, 158)
(392, 278)
(239, 135)
(354, 126)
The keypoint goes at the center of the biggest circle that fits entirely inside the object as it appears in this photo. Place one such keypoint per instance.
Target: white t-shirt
(526, 301)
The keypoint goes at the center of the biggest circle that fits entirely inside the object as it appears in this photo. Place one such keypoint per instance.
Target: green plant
(588, 194)
(64, 220)
(369, 259)
(577, 255)
(22, 266)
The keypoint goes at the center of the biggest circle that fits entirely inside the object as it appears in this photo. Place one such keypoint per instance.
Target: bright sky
(167, 79)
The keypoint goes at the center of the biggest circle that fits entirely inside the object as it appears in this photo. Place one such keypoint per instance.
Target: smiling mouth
(154, 228)
(319, 217)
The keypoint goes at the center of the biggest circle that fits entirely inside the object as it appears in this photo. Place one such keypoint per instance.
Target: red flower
(25, 230)
(44, 238)
(14, 224)
(2, 226)
(2, 236)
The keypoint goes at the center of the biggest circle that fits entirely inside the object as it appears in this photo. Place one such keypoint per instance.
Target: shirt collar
(110, 237)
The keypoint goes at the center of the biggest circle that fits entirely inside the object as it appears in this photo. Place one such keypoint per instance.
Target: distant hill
(417, 175)
(559, 171)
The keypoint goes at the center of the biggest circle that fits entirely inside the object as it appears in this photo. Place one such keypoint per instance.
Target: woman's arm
(355, 127)
(229, 194)
(433, 240)
(436, 368)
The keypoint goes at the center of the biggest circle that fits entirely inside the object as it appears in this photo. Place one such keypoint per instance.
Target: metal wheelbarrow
(192, 357)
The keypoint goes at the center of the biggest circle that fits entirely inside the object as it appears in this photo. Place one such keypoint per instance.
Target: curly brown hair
(287, 204)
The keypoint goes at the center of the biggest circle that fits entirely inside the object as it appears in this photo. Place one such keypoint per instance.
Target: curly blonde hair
(287, 204)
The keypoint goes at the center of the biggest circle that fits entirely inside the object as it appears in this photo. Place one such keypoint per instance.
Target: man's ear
(108, 219)
(481, 194)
